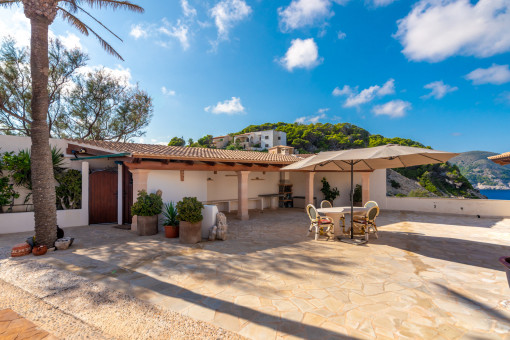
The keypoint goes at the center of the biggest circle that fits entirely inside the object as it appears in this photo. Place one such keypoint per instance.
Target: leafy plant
(147, 204)
(329, 193)
(170, 214)
(189, 210)
(357, 193)
(7, 193)
(394, 184)
(69, 190)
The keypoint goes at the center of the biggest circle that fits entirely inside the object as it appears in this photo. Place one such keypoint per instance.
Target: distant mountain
(481, 172)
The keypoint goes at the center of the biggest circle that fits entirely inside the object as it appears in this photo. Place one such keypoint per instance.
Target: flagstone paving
(427, 276)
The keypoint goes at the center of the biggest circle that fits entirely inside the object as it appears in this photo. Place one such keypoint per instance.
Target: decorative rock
(221, 233)
(212, 233)
(21, 249)
(63, 243)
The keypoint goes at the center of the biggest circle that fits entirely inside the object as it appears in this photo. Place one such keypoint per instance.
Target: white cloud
(311, 119)
(394, 109)
(496, 74)
(14, 24)
(367, 95)
(437, 29)
(121, 73)
(341, 35)
(167, 92)
(344, 91)
(228, 12)
(323, 110)
(187, 10)
(381, 3)
(138, 31)
(229, 107)
(302, 13)
(178, 31)
(301, 54)
(438, 89)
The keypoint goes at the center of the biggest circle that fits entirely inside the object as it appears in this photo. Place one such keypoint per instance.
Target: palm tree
(41, 14)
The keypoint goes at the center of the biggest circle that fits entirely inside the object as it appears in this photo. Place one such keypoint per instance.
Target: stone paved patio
(427, 276)
(13, 326)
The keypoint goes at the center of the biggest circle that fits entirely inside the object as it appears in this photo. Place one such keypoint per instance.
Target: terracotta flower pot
(190, 232)
(21, 249)
(39, 250)
(147, 225)
(171, 231)
(505, 261)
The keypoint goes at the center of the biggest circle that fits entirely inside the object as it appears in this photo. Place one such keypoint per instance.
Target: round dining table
(336, 214)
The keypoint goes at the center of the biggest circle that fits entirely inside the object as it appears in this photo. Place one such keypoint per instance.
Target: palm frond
(74, 21)
(85, 29)
(8, 3)
(99, 22)
(114, 4)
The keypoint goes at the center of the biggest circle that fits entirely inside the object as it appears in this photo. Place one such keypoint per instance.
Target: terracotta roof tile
(191, 153)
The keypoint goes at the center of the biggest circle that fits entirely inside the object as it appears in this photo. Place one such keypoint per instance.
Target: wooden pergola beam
(152, 165)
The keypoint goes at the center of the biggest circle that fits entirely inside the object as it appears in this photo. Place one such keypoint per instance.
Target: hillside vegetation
(444, 180)
(482, 172)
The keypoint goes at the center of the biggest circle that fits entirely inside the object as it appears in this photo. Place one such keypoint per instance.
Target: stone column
(119, 193)
(365, 184)
(309, 188)
(85, 190)
(242, 195)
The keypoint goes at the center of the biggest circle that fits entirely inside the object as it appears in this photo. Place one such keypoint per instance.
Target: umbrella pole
(351, 240)
(352, 200)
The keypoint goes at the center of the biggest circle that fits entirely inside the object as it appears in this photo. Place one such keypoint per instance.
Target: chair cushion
(325, 221)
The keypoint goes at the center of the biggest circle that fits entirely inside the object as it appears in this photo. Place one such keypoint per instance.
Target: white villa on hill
(258, 140)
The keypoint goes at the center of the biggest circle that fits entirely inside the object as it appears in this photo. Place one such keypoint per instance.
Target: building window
(279, 138)
(267, 145)
(266, 137)
(221, 140)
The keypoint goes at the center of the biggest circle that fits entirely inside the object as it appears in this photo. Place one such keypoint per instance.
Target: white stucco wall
(223, 185)
(194, 184)
(340, 180)
(19, 222)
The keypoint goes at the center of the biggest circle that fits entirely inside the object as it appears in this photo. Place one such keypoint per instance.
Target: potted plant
(329, 193)
(189, 213)
(146, 208)
(170, 221)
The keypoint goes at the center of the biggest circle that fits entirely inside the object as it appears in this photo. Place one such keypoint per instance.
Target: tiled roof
(189, 153)
(503, 155)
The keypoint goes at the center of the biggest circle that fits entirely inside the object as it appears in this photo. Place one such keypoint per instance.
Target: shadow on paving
(276, 323)
(473, 253)
(475, 304)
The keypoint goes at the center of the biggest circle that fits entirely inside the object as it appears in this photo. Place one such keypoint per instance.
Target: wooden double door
(103, 196)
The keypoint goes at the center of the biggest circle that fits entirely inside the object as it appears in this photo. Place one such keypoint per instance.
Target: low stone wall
(19, 222)
(469, 207)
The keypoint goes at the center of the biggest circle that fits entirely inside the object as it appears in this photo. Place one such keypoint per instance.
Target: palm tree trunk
(43, 186)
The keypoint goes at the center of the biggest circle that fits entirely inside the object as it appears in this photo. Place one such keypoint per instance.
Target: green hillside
(481, 171)
(312, 138)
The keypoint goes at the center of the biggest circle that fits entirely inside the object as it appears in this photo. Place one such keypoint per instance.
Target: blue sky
(434, 71)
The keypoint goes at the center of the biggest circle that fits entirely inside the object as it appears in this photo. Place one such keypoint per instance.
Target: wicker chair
(366, 222)
(323, 225)
(326, 204)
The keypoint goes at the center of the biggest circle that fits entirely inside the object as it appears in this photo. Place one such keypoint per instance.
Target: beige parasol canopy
(379, 157)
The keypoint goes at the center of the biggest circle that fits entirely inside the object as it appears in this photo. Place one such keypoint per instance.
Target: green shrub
(419, 193)
(329, 193)
(357, 193)
(400, 195)
(147, 204)
(189, 210)
(394, 184)
(170, 214)
(7, 193)
(69, 190)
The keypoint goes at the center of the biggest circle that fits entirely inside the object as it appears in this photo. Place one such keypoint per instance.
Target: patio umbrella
(379, 157)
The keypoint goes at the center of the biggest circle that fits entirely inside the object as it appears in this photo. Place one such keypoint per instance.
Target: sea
(496, 194)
